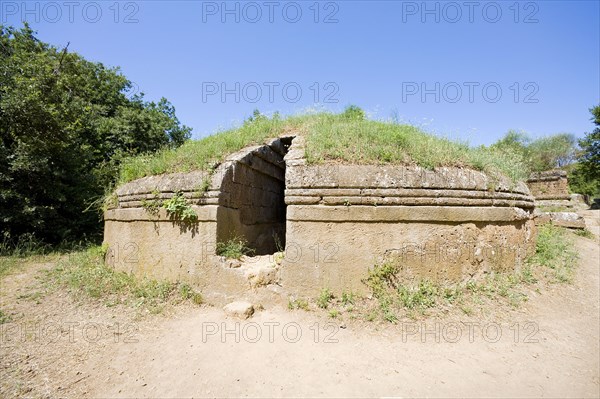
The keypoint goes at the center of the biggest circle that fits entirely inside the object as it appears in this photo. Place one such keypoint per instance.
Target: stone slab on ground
(239, 309)
(563, 219)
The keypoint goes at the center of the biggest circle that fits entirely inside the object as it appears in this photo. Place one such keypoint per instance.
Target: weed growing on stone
(108, 201)
(234, 248)
(178, 208)
(205, 185)
(152, 206)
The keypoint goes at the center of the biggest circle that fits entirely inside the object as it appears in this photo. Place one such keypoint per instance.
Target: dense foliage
(581, 158)
(584, 177)
(65, 125)
(545, 153)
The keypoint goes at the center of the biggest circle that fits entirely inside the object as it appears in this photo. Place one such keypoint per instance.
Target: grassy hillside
(346, 137)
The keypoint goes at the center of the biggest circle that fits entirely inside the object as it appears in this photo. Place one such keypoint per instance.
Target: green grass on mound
(346, 137)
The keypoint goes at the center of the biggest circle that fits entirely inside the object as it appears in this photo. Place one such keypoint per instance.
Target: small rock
(240, 309)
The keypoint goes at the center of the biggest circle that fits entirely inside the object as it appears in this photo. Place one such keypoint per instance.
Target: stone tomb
(549, 185)
(334, 222)
(553, 200)
(551, 189)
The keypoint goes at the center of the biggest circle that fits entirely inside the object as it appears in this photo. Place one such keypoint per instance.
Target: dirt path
(547, 348)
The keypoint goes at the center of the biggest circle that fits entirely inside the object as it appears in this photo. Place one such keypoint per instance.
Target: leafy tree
(545, 153)
(585, 176)
(65, 124)
(256, 116)
(513, 142)
(556, 151)
(590, 145)
(354, 112)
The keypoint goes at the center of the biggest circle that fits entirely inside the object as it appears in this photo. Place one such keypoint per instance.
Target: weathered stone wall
(450, 224)
(252, 199)
(243, 197)
(158, 247)
(549, 185)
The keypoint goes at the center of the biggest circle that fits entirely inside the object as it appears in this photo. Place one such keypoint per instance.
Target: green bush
(545, 153)
(324, 298)
(585, 174)
(65, 126)
(234, 248)
(554, 249)
(353, 113)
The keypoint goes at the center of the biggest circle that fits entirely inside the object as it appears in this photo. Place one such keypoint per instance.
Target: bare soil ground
(56, 345)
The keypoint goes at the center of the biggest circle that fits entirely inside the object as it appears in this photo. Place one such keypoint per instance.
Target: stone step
(252, 279)
(258, 271)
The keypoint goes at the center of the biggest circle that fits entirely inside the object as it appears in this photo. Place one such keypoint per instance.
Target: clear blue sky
(389, 57)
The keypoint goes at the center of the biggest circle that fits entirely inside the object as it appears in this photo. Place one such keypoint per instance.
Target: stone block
(239, 309)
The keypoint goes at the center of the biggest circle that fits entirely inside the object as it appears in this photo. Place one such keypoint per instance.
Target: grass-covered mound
(346, 137)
